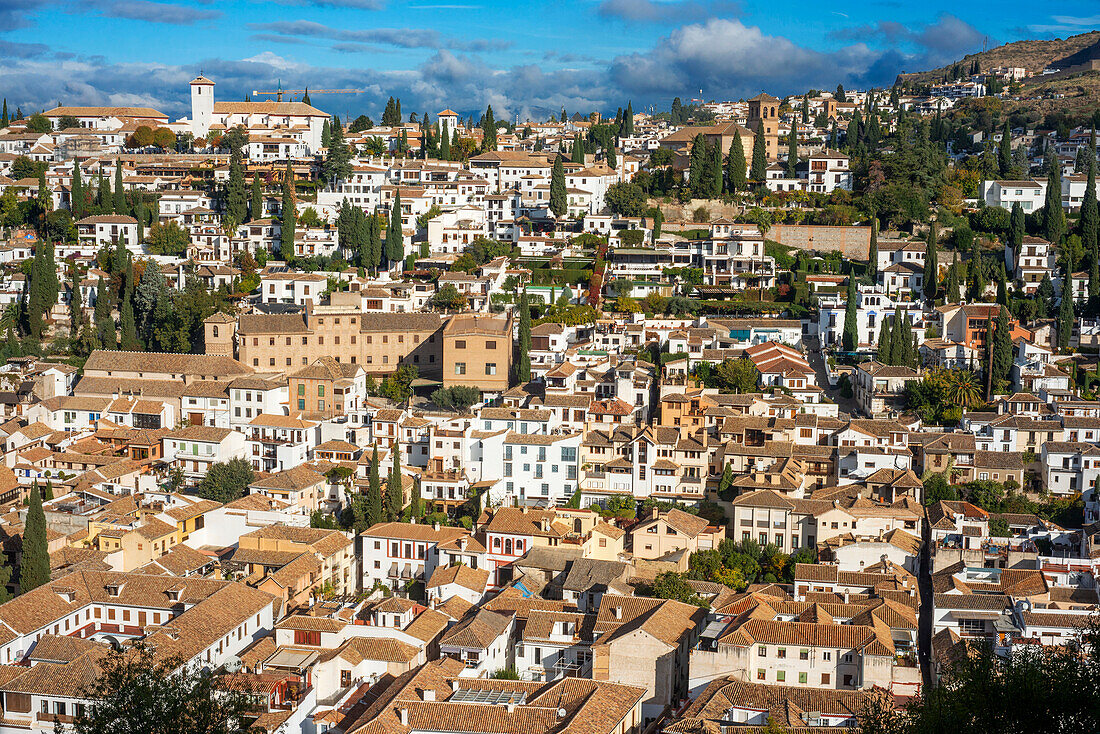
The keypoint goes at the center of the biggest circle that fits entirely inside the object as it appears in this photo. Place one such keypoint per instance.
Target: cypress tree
(1065, 319)
(735, 164)
(416, 504)
(456, 148)
(4, 116)
(76, 193)
(235, 201)
(952, 289)
(45, 198)
(697, 167)
(375, 509)
(931, 265)
(872, 255)
(899, 345)
(522, 367)
(1054, 219)
(76, 302)
(326, 132)
(35, 569)
(792, 152)
(104, 324)
(1002, 347)
(305, 98)
(850, 335)
(1004, 152)
(139, 215)
(1090, 223)
(578, 150)
(1016, 229)
(444, 147)
(257, 198)
(611, 160)
(628, 119)
(759, 171)
(337, 165)
(374, 232)
(488, 130)
(395, 241)
(289, 215)
(119, 203)
(395, 492)
(130, 341)
(884, 342)
(558, 197)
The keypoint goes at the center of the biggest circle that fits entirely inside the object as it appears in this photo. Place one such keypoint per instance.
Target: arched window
(508, 546)
(214, 332)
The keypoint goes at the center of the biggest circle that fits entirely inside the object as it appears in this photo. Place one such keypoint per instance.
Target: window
(762, 651)
(825, 678)
(760, 674)
(803, 655)
(780, 675)
(801, 677)
(305, 637)
(460, 343)
(490, 368)
(460, 368)
(972, 626)
(781, 652)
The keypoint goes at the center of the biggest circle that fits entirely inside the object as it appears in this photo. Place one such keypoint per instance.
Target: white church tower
(202, 105)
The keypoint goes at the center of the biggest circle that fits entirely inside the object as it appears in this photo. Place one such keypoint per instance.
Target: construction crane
(278, 93)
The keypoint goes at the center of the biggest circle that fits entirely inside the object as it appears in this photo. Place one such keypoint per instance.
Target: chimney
(454, 685)
(845, 596)
(435, 526)
(403, 716)
(428, 694)
(618, 612)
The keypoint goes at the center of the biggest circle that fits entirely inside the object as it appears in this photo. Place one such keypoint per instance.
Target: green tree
(76, 300)
(395, 239)
(1016, 226)
(257, 198)
(931, 265)
(130, 341)
(759, 156)
(35, 568)
(1090, 221)
(1002, 348)
(872, 255)
(39, 123)
(1065, 319)
(139, 688)
(489, 130)
(726, 490)
(77, 203)
(558, 196)
(522, 366)
(792, 152)
(1053, 217)
(375, 510)
(1004, 152)
(337, 165)
(850, 335)
(735, 164)
(884, 342)
(104, 323)
(289, 215)
(119, 201)
(226, 481)
(395, 491)
(235, 201)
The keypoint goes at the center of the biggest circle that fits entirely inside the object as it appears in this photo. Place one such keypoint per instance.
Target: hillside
(1032, 55)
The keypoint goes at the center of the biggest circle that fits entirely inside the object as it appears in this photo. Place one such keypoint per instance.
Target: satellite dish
(233, 664)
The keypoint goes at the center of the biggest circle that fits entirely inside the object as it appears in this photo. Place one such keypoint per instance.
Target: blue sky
(523, 57)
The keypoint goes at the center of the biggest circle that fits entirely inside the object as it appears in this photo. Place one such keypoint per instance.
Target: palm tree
(961, 388)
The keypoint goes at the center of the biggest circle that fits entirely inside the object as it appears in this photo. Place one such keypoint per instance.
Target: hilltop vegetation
(1033, 55)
